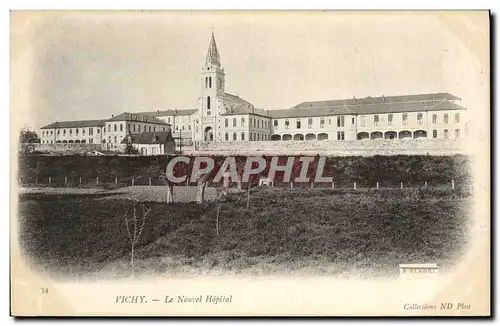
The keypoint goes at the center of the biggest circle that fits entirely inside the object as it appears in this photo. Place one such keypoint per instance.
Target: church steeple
(213, 54)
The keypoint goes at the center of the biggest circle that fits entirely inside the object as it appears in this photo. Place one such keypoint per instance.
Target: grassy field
(308, 231)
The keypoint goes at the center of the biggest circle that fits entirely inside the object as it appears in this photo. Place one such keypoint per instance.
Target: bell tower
(212, 80)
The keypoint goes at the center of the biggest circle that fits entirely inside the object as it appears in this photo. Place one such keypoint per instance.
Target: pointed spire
(213, 55)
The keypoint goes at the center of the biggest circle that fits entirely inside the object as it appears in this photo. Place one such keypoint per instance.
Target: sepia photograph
(236, 163)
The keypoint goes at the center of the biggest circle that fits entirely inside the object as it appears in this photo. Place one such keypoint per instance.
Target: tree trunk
(170, 193)
(200, 194)
(132, 259)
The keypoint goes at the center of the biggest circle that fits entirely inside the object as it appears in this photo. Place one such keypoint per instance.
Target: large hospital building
(222, 117)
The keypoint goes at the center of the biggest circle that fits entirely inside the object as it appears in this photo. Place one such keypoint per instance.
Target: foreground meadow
(345, 232)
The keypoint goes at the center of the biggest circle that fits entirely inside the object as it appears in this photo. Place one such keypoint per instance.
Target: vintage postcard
(250, 163)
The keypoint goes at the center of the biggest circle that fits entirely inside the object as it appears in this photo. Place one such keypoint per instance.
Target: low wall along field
(388, 171)
(335, 147)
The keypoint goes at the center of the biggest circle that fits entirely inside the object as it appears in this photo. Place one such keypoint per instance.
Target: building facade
(78, 132)
(151, 143)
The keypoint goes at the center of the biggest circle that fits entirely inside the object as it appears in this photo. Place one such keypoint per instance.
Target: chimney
(383, 98)
(112, 116)
(354, 99)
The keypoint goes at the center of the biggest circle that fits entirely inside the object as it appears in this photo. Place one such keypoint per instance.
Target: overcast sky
(93, 65)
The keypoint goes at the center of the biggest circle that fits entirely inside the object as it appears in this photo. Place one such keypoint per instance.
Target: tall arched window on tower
(206, 82)
(209, 82)
(208, 102)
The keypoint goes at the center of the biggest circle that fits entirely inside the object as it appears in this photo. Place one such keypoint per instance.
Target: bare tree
(134, 233)
(170, 187)
(202, 183)
(219, 201)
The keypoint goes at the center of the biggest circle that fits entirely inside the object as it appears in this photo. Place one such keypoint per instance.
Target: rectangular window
(434, 119)
(58, 132)
(390, 117)
(77, 131)
(457, 133)
(226, 123)
(375, 119)
(91, 131)
(114, 127)
(168, 119)
(446, 118)
(134, 127)
(340, 121)
(445, 133)
(234, 136)
(234, 124)
(405, 118)
(121, 126)
(91, 140)
(226, 135)
(83, 131)
(71, 132)
(189, 127)
(363, 121)
(242, 122)
(109, 128)
(309, 122)
(64, 132)
(434, 133)
(298, 124)
(420, 118)
(353, 121)
(275, 122)
(457, 118)
(321, 122)
(242, 136)
(287, 124)
(98, 130)
(149, 128)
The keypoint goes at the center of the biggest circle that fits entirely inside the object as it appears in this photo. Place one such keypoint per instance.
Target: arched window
(209, 82)
(208, 102)
(206, 82)
(457, 133)
(434, 133)
(445, 133)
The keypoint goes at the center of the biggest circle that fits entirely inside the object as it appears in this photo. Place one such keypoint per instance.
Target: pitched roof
(370, 105)
(153, 137)
(235, 98)
(74, 124)
(381, 99)
(170, 112)
(140, 116)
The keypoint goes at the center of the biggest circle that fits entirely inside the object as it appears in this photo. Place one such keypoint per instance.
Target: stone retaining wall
(332, 147)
